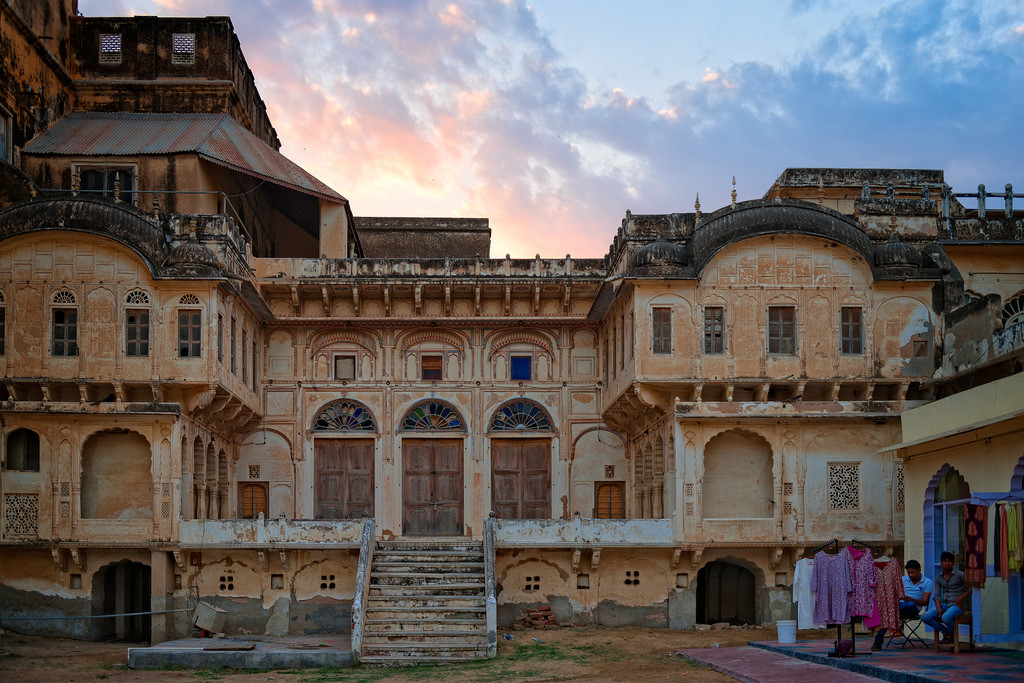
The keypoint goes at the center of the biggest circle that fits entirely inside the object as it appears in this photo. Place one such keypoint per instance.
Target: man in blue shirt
(917, 589)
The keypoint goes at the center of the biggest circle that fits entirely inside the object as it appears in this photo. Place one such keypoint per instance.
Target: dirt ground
(561, 654)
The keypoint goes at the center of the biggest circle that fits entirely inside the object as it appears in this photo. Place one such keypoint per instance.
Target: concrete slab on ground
(246, 652)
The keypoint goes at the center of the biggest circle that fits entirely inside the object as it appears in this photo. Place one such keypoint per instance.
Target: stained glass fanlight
(521, 415)
(344, 416)
(434, 416)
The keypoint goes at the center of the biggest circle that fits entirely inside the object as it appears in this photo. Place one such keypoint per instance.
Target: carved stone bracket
(797, 554)
(595, 558)
(78, 557)
(776, 556)
(59, 559)
(179, 560)
(264, 559)
(695, 558)
(283, 554)
(676, 554)
(576, 554)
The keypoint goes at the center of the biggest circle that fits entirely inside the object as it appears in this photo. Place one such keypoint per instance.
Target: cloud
(442, 108)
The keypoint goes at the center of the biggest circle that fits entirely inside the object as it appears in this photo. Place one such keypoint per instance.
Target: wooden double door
(344, 478)
(522, 478)
(432, 486)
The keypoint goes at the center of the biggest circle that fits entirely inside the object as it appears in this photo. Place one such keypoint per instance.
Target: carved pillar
(214, 506)
(201, 498)
(658, 504)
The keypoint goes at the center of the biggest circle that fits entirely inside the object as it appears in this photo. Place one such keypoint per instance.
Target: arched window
(344, 416)
(521, 415)
(1013, 311)
(22, 451)
(434, 416)
(944, 505)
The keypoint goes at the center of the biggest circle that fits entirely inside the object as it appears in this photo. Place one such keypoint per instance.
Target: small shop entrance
(432, 487)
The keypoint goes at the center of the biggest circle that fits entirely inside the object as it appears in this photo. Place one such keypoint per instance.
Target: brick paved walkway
(755, 665)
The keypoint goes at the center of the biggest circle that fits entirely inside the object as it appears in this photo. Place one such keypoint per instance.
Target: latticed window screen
(844, 486)
(110, 48)
(137, 296)
(433, 416)
(899, 486)
(183, 48)
(21, 515)
(345, 416)
(661, 330)
(521, 415)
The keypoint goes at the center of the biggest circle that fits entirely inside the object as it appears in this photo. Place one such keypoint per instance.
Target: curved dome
(896, 253)
(191, 254)
(661, 253)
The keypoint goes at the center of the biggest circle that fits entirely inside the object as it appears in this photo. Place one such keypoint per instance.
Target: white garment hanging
(803, 595)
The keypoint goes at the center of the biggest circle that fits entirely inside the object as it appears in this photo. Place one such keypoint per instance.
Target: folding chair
(908, 629)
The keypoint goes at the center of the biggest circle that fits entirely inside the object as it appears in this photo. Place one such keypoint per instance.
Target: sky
(553, 119)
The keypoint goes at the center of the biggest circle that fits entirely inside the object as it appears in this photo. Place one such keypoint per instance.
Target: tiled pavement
(765, 663)
(754, 665)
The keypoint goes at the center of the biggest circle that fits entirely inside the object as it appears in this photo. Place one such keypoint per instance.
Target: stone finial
(76, 184)
(156, 208)
(821, 190)
(696, 206)
(192, 225)
(890, 192)
(734, 190)
(117, 186)
(865, 192)
(32, 190)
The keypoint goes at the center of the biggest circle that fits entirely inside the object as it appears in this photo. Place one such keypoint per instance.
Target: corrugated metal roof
(216, 137)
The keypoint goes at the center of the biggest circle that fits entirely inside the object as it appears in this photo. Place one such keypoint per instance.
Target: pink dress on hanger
(863, 577)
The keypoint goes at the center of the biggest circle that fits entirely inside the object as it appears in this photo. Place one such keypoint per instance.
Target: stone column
(161, 589)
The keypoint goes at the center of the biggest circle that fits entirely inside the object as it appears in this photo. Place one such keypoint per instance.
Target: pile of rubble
(539, 617)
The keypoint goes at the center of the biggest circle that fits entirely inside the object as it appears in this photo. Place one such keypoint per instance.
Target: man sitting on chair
(949, 602)
(916, 591)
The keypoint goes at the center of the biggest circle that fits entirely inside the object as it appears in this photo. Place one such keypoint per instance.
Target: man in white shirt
(917, 589)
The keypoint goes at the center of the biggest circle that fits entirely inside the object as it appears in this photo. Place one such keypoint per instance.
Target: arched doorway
(725, 592)
(122, 588)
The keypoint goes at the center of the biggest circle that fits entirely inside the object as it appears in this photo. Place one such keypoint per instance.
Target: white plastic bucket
(787, 631)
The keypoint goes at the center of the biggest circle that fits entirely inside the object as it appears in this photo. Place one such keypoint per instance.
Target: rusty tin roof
(215, 137)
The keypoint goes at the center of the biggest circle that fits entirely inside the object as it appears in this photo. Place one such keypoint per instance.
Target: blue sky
(553, 119)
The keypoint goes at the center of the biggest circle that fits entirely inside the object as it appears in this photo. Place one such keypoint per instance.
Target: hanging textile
(830, 581)
(888, 590)
(975, 532)
(1004, 563)
(996, 538)
(863, 577)
(803, 595)
(1012, 522)
(1020, 535)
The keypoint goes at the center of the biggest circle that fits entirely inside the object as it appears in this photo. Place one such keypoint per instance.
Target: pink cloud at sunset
(553, 127)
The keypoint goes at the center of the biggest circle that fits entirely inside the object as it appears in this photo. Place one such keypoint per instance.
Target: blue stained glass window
(344, 416)
(433, 416)
(521, 415)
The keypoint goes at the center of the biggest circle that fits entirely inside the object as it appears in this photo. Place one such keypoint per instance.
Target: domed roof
(192, 254)
(896, 253)
(661, 253)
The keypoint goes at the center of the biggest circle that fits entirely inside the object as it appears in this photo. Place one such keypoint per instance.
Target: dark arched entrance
(122, 588)
(725, 592)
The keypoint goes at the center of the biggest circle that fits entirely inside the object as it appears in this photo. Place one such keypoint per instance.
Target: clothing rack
(866, 545)
(823, 545)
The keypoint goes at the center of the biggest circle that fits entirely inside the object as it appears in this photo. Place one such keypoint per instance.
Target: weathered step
(428, 649)
(418, 625)
(452, 590)
(427, 637)
(418, 612)
(424, 578)
(427, 558)
(385, 660)
(427, 567)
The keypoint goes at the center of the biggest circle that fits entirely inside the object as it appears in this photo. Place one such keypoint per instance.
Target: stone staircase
(426, 603)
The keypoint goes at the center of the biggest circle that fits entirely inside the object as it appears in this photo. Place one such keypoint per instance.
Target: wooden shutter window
(253, 499)
(609, 497)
